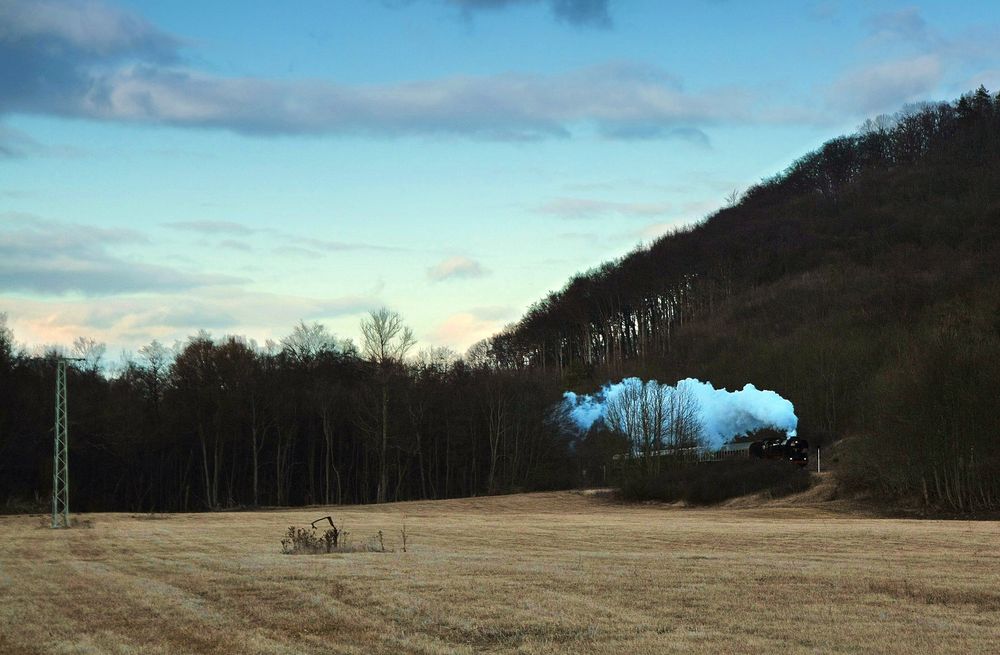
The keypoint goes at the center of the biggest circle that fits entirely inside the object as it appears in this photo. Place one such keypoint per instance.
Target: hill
(862, 283)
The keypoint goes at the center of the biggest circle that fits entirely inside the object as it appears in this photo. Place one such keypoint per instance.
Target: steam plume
(724, 414)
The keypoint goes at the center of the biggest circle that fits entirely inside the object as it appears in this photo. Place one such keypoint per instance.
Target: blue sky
(238, 167)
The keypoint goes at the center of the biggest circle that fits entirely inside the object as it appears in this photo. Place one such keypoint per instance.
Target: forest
(861, 283)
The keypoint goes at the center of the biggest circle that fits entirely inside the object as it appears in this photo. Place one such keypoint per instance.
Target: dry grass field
(535, 573)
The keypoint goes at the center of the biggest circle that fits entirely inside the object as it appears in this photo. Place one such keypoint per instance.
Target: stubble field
(535, 573)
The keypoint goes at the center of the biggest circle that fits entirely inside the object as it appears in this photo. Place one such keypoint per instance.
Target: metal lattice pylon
(60, 453)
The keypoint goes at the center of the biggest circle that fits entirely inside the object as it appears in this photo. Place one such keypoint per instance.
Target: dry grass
(537, 573)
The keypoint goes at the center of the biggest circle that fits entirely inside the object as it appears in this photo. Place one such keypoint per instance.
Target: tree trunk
(383, 476)
(204, 461)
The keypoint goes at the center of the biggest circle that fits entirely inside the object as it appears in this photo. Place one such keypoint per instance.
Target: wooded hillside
(862, 283)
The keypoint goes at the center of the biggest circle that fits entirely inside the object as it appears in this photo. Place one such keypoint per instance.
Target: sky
(239, 167)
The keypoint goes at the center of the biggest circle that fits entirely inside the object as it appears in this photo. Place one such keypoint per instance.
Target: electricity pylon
(60, 450)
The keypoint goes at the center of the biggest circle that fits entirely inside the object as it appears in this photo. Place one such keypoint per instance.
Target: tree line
(221, 423)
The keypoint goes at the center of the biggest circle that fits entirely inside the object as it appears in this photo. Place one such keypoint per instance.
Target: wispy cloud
(52, 258)
(644, 131)
(235, 244)
(494, 312)
(333, 245)
(886, 86)
(909, 61)
(14, 143)
(294, 245)
(905, 24)
(296, 251)
(133, 320)
(461, 330)
(589, 208)
(212, 228)
(455, 268)
(591, 13)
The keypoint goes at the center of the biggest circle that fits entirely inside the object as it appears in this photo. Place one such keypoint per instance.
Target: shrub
(713, 482)
(307, 541)
(299, 541)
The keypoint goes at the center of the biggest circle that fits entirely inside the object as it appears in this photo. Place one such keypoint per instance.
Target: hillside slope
(863, 283)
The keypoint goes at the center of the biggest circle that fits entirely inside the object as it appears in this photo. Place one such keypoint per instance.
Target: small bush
(713, 482)
(307, 541)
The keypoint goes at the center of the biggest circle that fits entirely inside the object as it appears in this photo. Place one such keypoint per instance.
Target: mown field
(536, 573)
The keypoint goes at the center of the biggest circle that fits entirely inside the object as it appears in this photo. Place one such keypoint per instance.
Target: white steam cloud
(724, 414)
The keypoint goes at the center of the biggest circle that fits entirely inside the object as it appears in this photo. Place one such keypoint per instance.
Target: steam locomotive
(789, 449)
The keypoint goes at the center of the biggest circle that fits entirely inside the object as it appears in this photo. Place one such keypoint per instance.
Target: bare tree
(654, 417)
(90, 351)
(386, 342)
(441, 358)
(733, 198)
(6, 339)
(307, 342)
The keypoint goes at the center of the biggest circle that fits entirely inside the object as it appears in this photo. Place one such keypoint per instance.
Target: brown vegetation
(539, 573)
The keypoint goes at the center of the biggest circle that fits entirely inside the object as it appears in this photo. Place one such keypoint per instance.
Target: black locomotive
(791, 449)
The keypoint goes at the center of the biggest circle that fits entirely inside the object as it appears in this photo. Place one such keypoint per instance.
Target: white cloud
(886, 86)
(456, 268)
(459, 331)
(85, 58)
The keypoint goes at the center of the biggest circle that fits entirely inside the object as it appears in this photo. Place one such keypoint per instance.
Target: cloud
(90, 27)
(592, 13)
(493, 312)
(211, 227)
(648, 131)
(455, 268)
(235, 244)
(886, 86)
(328, 245)
(296, 246)
(657, 230)
(53, 258)
(988, 78)
(620, 100)
(47, 49)
(15, 144)
(903, 25)
(131, 321)
(918, 60)
(90, 60)
(461, 330)
(825, 10)
(296, 251)
(587, 208)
